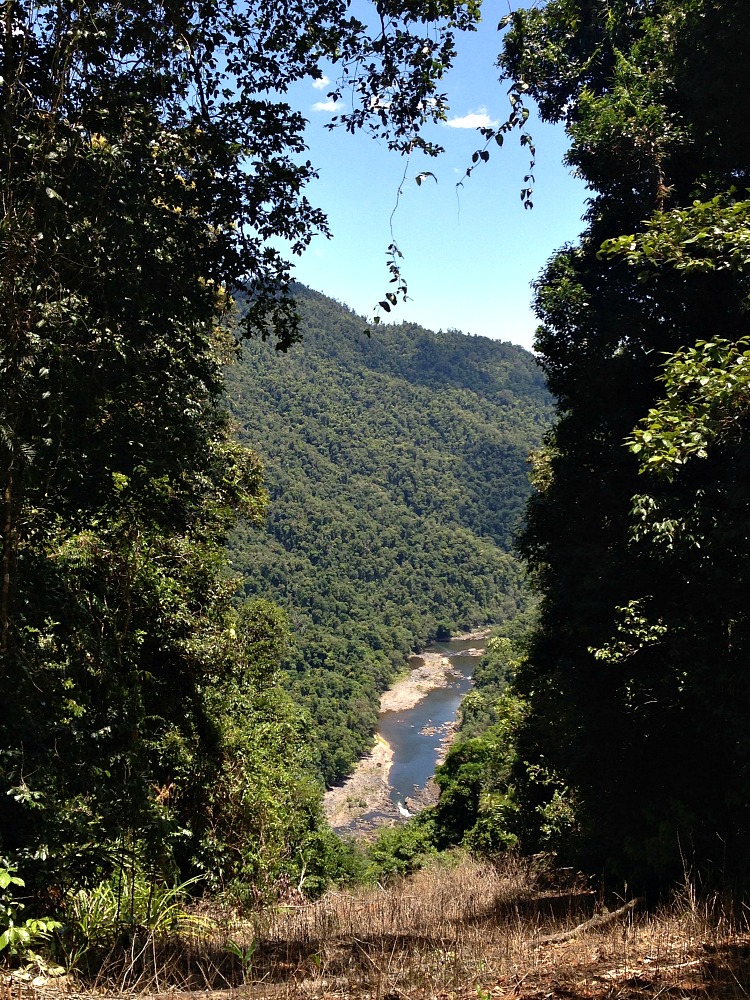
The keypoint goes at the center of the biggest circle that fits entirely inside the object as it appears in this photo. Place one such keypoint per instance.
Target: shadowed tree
(147, 155)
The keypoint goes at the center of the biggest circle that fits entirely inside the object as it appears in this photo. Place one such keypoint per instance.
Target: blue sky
(470, 254)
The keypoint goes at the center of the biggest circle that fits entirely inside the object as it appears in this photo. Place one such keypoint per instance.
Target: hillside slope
(397, 467)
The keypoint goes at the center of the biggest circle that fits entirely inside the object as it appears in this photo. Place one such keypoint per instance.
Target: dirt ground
(506, 929)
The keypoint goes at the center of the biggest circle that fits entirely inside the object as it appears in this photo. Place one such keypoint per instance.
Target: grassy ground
(469, 931)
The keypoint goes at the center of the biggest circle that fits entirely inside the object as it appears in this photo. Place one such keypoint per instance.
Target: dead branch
(600, 920)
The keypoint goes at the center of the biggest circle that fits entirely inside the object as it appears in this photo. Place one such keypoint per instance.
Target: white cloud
(322, 83)
(326, 106)
(475, 119)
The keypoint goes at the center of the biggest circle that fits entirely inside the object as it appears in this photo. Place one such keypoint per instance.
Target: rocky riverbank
(430, 670)
(365, 791)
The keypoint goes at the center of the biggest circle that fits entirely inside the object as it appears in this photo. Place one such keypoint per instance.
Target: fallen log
(599, 920)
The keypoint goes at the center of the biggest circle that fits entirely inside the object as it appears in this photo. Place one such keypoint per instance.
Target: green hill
(397, 468)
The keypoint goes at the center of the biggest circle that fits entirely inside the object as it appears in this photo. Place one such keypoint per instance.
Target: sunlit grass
(468, 929)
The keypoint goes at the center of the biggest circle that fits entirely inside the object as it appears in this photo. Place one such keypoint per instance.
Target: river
(416, 734)
(416, 723)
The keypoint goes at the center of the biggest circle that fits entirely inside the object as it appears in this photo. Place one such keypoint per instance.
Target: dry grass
(465, 932)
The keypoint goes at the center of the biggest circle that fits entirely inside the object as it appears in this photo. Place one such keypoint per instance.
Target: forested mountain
(397, 467)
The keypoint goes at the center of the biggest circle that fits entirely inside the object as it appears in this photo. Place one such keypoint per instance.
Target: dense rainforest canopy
(147, 155)
(622, 743)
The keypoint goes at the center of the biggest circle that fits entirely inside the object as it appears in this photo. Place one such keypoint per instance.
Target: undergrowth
(467, 929)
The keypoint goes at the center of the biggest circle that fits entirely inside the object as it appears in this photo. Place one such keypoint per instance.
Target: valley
(232, 510)
(397, 470)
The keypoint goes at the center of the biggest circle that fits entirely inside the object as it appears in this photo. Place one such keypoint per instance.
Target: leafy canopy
(148, 156)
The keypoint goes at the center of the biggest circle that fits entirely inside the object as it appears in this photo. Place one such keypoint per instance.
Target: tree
(147, 157)
(636, 682)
